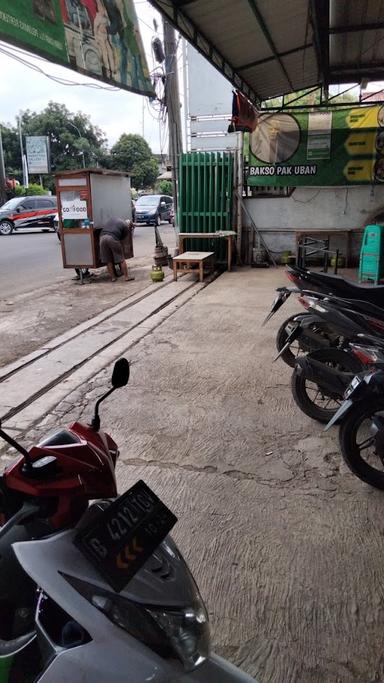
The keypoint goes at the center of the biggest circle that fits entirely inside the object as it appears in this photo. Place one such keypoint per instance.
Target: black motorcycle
(361, 433)
(301, 334)
(320, 378)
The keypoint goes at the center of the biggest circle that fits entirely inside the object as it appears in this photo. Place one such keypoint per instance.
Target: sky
(115, 112)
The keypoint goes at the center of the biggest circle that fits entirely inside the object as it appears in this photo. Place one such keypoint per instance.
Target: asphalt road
(32, 260)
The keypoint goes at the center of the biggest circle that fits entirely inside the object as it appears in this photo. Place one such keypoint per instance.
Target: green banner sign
(343, 147)
(99, 38)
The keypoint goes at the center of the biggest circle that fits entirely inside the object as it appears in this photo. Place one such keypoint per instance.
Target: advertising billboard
(99, 38)
(323, 148)
(37, 148)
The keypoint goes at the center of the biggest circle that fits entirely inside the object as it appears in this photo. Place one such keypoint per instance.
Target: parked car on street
(22, 213)
(153, 208)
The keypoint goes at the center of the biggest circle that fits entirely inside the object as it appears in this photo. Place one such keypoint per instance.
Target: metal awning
(268, 48)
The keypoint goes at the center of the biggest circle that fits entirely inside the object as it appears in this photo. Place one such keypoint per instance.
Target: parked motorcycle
(335, 285)
(361, 433)
(301, 333)
(94, 592)
(298, 335)
(320, 378)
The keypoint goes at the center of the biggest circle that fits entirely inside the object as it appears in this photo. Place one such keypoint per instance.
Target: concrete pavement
(286, 545)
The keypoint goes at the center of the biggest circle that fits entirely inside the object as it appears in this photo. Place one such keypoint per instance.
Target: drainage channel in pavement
(28, 395)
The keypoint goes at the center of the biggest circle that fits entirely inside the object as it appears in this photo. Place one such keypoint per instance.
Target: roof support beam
(320, 23)
(351, 74)
(268, 37)
(181, 3)
(272, 59)
(357, 28)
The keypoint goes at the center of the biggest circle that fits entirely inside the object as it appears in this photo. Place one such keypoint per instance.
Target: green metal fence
(205, 198)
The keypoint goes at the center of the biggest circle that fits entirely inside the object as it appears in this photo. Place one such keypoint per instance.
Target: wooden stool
(198, 259)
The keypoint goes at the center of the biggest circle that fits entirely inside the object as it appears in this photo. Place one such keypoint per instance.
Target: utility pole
(172, 100)
(23, 157)
(3, 194)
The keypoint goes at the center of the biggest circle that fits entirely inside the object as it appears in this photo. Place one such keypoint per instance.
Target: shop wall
(312, 209)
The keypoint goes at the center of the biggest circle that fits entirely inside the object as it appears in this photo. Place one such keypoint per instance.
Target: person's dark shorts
(111, 250)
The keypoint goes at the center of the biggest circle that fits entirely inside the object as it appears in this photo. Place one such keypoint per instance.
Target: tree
(72, 136)
(11, 147)
(165, 187)
(132, 154)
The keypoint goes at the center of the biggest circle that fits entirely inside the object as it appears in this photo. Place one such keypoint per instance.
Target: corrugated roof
(271, 47)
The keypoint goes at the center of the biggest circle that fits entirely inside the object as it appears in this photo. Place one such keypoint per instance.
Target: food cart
(86, 199)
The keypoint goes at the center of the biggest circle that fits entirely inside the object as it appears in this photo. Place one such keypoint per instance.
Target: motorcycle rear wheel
(297, 348)
(352, 447)
(310, 397)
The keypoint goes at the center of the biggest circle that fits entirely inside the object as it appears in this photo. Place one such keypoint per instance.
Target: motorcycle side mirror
(120, 375)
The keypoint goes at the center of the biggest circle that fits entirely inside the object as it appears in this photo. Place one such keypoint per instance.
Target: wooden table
(229, 235)
(324, 233)
(183, 263)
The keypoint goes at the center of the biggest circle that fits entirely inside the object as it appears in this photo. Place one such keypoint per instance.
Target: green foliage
(11, 147)
(132, 154)
(32, 189)
(73, 137)
(165, 187)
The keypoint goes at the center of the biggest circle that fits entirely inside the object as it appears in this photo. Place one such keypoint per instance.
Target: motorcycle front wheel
(358, 442)
(310, 397)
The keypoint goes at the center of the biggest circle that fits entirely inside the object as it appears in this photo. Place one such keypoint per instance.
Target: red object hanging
(244, 114)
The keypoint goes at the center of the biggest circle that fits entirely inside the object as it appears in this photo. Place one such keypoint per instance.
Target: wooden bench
(192, 262)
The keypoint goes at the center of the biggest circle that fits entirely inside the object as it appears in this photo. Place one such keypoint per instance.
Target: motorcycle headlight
(170, 632)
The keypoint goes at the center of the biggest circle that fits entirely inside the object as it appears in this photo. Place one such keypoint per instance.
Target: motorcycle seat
(342, 287)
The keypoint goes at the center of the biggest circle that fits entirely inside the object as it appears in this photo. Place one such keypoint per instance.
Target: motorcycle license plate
(126, 534)
(353, 386)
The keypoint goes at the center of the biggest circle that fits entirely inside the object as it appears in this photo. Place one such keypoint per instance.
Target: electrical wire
(307, 201)
(57, 79)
